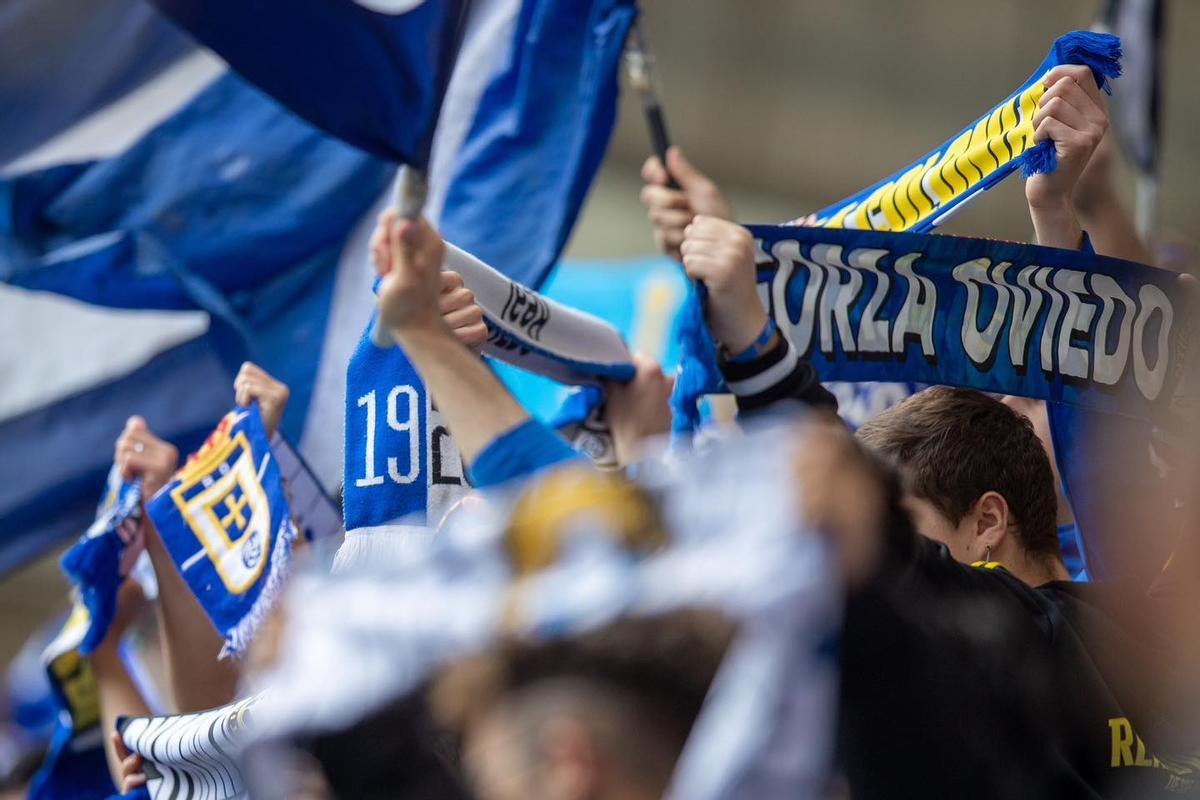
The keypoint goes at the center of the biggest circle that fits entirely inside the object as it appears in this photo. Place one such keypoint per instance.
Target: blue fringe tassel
(1100, 51)
(698, 373)
(93, 565)
(1039, 158)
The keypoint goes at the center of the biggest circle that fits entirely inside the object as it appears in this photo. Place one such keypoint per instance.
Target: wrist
(737, 333)
(421, 326)
(1055, 224)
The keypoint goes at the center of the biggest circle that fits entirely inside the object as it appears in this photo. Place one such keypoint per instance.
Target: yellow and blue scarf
(920, 196)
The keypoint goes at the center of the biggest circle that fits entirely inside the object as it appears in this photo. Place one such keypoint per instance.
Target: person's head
(599, 715)
(976, 477)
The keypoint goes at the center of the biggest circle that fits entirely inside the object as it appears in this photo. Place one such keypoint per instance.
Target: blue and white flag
(75, 767)
(191, 224)
(1059, 325)
(106, 554)
(224, 519)
(370, 72)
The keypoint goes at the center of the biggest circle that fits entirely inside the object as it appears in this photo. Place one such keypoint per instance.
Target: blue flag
(224, 519)
(370, 73)
(231, 217)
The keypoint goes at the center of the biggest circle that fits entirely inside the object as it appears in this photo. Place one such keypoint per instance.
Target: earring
(987, 553)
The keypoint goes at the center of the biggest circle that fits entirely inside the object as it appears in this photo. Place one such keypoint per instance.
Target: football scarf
(106, 554)
(75, 767)
(1059, 325)
(191, 756)
(402, 469)
(225, 521)
(922, 194)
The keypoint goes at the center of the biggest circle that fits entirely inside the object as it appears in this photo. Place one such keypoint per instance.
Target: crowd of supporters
(974, 660)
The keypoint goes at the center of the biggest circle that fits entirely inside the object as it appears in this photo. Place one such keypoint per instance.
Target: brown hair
(953, 445)
(663, 664)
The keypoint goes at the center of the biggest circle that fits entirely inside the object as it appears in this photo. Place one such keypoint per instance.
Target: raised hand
(720, 254)
(461, 313)
(140, 452)
(1073, 116)
(412, 282)
(671, 210)
(638, 409)
(255, 383)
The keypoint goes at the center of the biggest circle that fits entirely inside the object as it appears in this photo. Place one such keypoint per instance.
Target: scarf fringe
(698, 372)
(1099, 51)
(1041, 158)
(238, 638)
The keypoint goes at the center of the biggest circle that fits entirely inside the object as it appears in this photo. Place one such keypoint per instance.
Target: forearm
(1112, 231)
(1056, 225)
(476, 406)
(118, 697)
(191, 645)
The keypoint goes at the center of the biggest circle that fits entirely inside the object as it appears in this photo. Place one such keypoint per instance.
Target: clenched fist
(140, 452)
(720, 254)
(672, 210)
(255, 383)
(412, 281)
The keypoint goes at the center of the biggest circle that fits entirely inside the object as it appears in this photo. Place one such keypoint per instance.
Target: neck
(1033, 571)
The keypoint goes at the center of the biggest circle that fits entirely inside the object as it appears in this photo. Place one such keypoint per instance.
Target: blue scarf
(924, 193)
(401, 465)
(105, 555)
(1059, 325)
(225, 521)
(75, 767)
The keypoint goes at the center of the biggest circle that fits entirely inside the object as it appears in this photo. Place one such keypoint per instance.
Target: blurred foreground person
(599, 716)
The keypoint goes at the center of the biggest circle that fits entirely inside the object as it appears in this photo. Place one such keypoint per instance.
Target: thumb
(686, 175)
(135, 423)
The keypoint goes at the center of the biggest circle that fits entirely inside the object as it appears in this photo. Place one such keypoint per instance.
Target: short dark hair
(953, 445)
(663, 663)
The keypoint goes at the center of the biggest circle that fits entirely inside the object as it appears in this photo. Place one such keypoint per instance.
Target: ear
(571, 760)
(991, 521)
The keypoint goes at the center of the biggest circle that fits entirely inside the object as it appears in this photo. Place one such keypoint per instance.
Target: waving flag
(370, 73)
(212, 224)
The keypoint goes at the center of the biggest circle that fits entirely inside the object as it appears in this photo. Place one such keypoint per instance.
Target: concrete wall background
(794, 104)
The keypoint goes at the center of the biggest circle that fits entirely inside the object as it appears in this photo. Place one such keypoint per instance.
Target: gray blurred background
(792, 105)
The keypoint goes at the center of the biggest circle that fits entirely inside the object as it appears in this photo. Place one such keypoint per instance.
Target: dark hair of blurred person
(604, 714)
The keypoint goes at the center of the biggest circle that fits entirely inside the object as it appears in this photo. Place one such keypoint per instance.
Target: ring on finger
(139, 447)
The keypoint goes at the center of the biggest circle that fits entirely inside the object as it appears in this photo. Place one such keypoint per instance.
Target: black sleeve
(775, 376)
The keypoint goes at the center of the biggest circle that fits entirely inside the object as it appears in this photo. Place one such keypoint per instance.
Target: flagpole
(640, 65)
